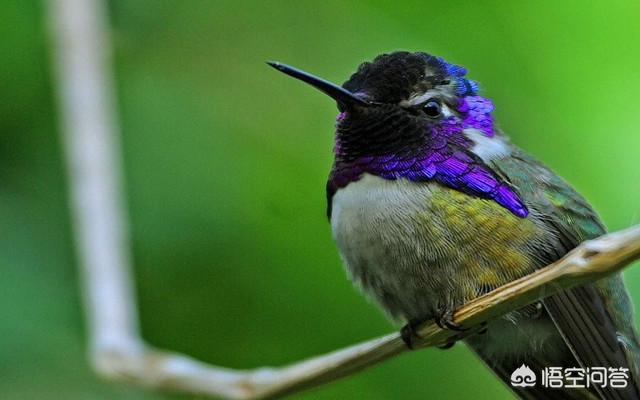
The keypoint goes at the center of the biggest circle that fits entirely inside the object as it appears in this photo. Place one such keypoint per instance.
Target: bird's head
(415, 116)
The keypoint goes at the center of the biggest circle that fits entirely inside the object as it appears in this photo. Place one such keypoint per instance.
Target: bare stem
(90, 138)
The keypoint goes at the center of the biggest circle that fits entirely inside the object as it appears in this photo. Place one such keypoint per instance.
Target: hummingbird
(431, 205)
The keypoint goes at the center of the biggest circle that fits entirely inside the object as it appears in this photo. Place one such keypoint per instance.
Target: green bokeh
(226, 162)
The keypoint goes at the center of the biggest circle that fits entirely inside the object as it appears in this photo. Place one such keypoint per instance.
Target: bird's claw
(408, 332)
(445, 321)
(448, 345)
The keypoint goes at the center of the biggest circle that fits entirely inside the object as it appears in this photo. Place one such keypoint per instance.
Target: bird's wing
(590, 324)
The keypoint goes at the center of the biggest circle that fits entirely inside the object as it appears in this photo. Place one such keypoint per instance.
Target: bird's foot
(408, 332)
(448, 345)
(445, 321)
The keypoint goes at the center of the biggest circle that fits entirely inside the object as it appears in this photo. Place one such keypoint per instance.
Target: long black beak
(338, 93)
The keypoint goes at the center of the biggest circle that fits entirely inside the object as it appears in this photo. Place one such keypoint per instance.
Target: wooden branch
(89, 129)
(117, 351)
(589, 262)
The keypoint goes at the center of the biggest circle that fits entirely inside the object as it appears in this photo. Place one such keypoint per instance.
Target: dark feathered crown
(392, 77)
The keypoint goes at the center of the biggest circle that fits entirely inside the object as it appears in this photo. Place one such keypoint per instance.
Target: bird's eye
(432, 108)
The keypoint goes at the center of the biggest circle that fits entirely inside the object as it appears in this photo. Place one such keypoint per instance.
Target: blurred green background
(226, 163)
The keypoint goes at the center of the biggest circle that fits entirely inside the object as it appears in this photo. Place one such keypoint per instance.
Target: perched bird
(432, 206)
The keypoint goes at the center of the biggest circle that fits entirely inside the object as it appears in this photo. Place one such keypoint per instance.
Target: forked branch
(593, 260)
(90, 138)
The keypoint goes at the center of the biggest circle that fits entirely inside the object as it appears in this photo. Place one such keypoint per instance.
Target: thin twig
(89, 131)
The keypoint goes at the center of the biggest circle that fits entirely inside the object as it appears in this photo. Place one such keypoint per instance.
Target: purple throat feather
(446, 159)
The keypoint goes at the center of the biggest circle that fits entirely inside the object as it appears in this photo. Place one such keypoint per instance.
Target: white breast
(372, 202)
(376, 225)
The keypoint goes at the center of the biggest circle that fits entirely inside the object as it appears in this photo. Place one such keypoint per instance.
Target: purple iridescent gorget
(441, 152)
